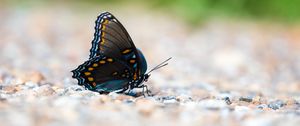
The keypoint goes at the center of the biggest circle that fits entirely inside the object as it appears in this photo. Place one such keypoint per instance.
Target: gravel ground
(222, 72)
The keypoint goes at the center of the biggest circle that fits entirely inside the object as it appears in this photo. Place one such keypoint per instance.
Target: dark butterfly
(115, 64)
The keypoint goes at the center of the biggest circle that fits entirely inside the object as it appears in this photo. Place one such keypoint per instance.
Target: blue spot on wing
(112, 85)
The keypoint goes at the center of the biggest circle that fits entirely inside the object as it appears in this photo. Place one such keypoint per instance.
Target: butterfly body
(115, 64)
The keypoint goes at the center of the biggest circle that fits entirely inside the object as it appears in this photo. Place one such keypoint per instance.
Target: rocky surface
(222, 73)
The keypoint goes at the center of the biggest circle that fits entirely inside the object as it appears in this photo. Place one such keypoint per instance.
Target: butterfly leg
(128, 91)
(147, 90)
(143, 91)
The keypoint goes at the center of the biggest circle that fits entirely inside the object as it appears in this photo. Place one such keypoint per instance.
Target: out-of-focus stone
(123, 97)
(199, 93)
(145, 106)
(291, 101)
(262, 106)
(9, 89)
(184, 98)
(72, 90)
(241, 108)
(227, 100)
(241, 111)
(276, 104)
(167, 99)
(44, 90)
(113, 95)
(104, 99)
(258, 121)
(212, 104)
(245, 99)
(170, 101)
(256, 100)
(36, 77)
(30, 85)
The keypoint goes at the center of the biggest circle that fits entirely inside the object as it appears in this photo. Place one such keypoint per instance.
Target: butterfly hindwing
(103, 74)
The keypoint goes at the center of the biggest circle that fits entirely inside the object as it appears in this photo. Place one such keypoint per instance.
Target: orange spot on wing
(90, 68)
(102, 34)
(126, 51)
(90, 79)
(94, 84)
(102, 61)
(134, 76)
(132, 61)
(95, 65)
(87, 73)
(110, 60)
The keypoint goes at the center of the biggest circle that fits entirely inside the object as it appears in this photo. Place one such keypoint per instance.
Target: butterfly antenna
(162, 64)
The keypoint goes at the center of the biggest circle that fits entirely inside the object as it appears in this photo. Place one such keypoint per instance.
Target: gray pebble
(227, 100)
(262, 106)
(276, 104)
(246, 99)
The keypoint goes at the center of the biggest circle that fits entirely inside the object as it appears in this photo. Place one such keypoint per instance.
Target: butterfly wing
(111, 39)
(103, 74)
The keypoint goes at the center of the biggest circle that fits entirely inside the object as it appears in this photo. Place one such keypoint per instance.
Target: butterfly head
(146, 76)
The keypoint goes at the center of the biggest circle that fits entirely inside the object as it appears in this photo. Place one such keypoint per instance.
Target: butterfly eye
(146, 77)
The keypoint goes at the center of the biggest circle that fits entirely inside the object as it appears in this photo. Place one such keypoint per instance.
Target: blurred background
(242, 46)
(229, 44)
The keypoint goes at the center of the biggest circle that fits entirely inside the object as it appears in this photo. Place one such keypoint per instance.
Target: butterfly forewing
(110, 37)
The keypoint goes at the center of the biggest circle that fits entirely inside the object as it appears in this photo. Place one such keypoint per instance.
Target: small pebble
(227, 100)
(36, 77)
(9, 89)
(241, 108)
(184, 98)
(276, 104)
(256, 100)
(145, 107)
(123, 97)
(166, 98)
(113, 95)
(246, 99)
(30, 84)
(44, 90)
(170, 101)
(262, 106)
(71, 90)
(212, 104)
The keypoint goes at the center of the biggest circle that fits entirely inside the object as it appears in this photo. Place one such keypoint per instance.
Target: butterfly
(114, 64)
